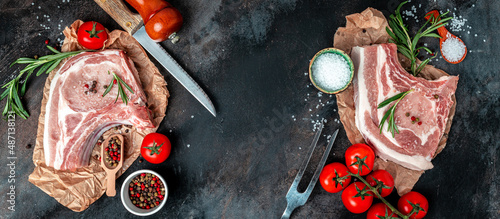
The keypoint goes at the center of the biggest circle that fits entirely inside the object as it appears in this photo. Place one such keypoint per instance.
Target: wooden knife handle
(120, 13)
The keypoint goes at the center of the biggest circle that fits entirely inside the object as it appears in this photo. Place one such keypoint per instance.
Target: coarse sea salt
(453, 49)
(331, 71)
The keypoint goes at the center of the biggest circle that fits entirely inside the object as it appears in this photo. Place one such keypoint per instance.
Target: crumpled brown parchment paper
(367, 28)
(77, 190)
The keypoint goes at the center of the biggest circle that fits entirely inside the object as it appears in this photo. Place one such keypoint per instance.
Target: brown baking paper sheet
(77, 190)
(367, 28)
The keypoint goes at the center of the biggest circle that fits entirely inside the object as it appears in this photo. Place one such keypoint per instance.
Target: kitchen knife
(133, 24)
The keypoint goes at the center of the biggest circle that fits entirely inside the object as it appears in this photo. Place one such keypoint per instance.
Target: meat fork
(296, 199)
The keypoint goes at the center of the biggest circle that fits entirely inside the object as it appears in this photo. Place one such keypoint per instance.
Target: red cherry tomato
(360, 156)
(416, 199)
(380, 210)
(384, 178)
(354, 204)
(334, 177)
(155, 148)
(92, 35)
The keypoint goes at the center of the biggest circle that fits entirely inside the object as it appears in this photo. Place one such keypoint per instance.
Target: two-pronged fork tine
(294, 198)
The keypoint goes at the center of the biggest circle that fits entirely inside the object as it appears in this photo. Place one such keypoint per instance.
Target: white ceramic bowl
(126, 197)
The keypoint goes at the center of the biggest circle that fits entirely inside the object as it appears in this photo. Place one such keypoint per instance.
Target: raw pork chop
(76, 117)
(380, 76)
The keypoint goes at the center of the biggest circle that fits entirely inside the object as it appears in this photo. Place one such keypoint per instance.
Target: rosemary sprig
(407, 45)
(45, 64)
(121, 91)
(389, 115)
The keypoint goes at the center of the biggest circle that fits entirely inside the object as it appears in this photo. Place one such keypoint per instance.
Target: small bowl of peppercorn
(144, 192)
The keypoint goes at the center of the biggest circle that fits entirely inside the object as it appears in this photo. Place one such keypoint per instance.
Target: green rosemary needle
(121, 91)
(389, 115)
(13, 92)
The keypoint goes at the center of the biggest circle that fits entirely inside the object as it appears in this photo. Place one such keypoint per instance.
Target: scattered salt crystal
(457, 24)
(188, 145)
(331, 71)
(192, 116)
(320, 94)
(484, 40)
(475, 35)
(48, 19)
(305, 73)
(39, 7)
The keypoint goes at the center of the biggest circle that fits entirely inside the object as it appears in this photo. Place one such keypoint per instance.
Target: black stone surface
(251, 58)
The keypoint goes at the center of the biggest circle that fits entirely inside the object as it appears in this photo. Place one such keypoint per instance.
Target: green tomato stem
(374, 190)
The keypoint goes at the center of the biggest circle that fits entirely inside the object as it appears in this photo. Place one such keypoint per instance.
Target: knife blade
(174, 68)
(133, 24)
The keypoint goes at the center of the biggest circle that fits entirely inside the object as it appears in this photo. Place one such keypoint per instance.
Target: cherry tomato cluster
(358, 196)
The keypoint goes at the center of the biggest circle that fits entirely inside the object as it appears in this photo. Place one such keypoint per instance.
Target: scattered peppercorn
(36, 57)
(47, 42)
(436, 96)
(28, 146)
(114, 81)
(413, 118)
(419, 123)
(407, 114)
(417, 119)
(146, 191)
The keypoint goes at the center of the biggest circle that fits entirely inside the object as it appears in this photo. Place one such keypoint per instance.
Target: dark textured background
(250, 57)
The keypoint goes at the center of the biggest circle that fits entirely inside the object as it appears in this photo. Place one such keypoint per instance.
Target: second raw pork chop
(76, 116)
(379, 76)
